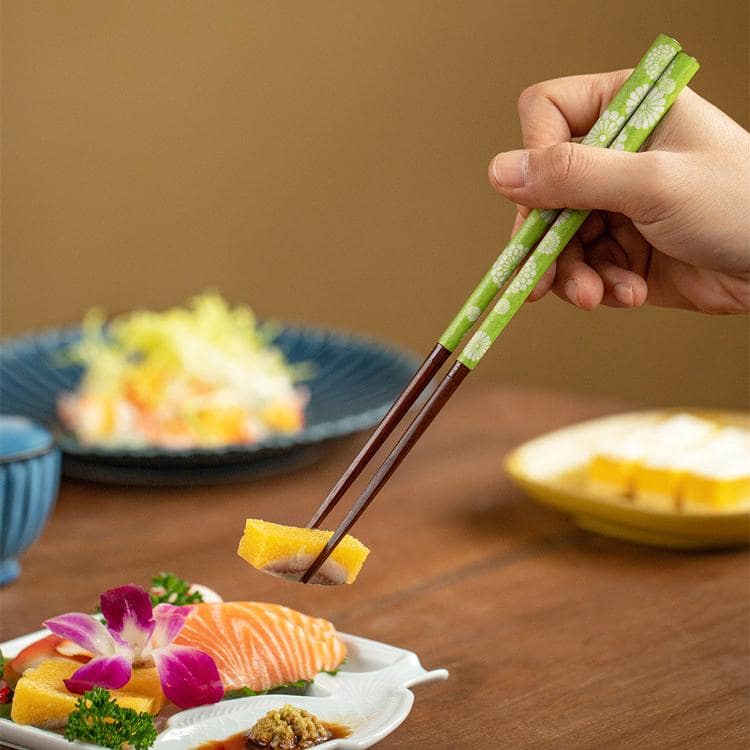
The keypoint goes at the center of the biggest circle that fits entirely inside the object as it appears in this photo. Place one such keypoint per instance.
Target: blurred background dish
(353, 382)
(564, 469)
(29, 479)
(201, 375)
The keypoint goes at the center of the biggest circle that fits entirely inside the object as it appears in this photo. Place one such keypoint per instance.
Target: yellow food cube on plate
(42, 700)
(719, 476)
(614, 461)
(611, 473)
(680, 462)
(288, 551)
(715, 492)
(657, 478)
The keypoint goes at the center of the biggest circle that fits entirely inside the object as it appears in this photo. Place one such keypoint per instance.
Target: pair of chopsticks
(631, 116)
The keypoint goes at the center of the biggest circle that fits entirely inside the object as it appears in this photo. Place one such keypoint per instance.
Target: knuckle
(562, 162)
(658, 187)
(528, 98)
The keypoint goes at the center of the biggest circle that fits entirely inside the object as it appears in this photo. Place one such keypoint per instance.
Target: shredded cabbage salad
(201, 375)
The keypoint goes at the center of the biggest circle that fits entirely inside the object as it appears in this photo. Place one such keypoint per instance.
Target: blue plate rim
(322, 431)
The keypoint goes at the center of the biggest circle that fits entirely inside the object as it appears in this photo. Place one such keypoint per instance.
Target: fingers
(555, 111)
(600, 274)
(543, 285)
(592, 229)
(622, 287)
(625, 235)
(575, 281)
(575, 176)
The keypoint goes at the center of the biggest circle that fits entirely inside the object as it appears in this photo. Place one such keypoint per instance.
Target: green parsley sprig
(98, 719)
(171, 589)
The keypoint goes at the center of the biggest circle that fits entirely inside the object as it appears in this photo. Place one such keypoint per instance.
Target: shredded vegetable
(201, 375)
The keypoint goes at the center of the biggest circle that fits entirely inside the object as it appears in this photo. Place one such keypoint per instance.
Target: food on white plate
(288, 551)
(143, 655)
(198, 376)
(680, 461)
(285, 728)
(42, 699)
(259, 647)
(288, 728)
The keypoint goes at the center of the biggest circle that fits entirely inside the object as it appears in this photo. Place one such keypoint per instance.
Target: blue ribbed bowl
(29, 478)
(354, 383)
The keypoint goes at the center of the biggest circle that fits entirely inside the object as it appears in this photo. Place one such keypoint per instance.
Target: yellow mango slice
(42, 700)
(287, 551)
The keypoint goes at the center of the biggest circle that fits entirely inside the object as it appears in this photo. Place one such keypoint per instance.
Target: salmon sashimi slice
(262, 646)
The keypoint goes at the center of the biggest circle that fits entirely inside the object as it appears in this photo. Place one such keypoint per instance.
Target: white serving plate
(371, 695)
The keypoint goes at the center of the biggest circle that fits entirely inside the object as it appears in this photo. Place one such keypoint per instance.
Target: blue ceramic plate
(355, 381)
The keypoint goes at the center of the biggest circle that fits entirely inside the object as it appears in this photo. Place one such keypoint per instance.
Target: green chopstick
(632, 136)
(604, 132)
(653, 103)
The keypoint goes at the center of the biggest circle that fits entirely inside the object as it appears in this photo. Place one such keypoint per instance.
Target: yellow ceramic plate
(552, 470)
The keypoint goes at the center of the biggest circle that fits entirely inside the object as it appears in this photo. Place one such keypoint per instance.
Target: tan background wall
(325, 162)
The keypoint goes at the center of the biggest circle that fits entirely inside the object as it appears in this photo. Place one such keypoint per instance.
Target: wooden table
(554, 638)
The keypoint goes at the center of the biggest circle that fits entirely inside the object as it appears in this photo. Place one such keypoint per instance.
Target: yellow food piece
(145, 682)
(222, 424)
(42, 700)
(676, 464)
(658, 486)
(616, 474)
(288, 550)
(144, 384)
(715, 492)
(283, 417)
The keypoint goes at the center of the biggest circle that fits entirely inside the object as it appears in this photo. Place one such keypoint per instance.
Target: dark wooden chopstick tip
(414, 389)
(414, 431)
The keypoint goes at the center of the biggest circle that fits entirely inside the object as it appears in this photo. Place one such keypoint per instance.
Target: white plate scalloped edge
(371, 695)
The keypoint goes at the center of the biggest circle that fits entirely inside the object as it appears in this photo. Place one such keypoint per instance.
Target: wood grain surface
(554, 638)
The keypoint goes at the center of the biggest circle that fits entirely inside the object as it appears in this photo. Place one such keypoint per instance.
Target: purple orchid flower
(138, 635)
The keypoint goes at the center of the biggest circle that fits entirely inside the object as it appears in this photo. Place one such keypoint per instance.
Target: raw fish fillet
(262, 646)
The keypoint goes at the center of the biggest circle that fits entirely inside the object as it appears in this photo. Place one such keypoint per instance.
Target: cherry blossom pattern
(525, 277)
(666, 84)
(656, 60)
(506, 262)
(472, 312)
(502, 307)
(550, 243)
(605, 129)
(650, 109)
(477, 347)
(619, 142)
(637, 95)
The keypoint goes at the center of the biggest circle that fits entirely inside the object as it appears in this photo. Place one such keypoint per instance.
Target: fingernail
(509, 168)
(624, 293)
(571, 290)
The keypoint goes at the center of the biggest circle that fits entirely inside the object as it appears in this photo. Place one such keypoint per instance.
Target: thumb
(570, 175)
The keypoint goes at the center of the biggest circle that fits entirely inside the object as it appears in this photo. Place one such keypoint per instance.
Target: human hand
(673, 222)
